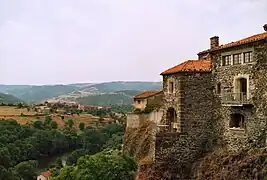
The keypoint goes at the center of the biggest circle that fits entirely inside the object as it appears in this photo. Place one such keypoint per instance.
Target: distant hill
(9, 99)
(81, 92)
(38, 93)
(115, 98)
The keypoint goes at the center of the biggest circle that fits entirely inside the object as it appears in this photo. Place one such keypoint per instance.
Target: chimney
(214, 42)
(265, 27)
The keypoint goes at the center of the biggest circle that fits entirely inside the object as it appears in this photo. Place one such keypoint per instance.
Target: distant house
(44, 176)
(43, 109)
(141, 100)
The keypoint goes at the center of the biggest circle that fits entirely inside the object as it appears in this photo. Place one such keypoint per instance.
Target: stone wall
(173, 100)
(192, 99)
(254, 114)
(135, 120)
(194, 103)
(140, 104)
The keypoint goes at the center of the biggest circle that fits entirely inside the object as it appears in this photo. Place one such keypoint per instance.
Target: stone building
(239, 71)
(231, 79)
(226, 85)
(187, 96)
(141, 100)
(146, 108)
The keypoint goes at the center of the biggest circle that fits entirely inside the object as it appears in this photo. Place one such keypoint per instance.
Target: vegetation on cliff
(245, 164)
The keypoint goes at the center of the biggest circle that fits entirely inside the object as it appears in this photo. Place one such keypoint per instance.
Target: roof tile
(147, 94)
(253, 38)
(190, 66)
(46, 174)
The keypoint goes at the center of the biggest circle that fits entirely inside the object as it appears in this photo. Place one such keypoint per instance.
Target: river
(45, 161)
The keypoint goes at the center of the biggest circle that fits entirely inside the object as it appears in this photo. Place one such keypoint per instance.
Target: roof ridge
(241, 41)
(190, 66)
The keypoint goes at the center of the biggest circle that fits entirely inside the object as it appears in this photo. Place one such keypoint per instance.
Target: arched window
(237, 121)
(241, 87)
(172, 120)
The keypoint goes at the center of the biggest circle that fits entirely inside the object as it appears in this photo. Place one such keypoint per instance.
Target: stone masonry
(254, 112)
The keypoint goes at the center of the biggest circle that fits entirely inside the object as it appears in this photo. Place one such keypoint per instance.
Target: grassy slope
(41, 93)
(7, 98)
(122, 97)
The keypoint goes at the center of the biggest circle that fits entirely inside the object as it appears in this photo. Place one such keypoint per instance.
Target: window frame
(237, 59)
(226, 60)
(171, 87)
(249, 57)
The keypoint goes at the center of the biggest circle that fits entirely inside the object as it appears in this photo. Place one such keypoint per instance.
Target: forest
(22, 145)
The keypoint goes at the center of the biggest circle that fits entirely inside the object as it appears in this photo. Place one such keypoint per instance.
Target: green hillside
(122, 86)
(30, 93)
(41, 93)
(117, 98)
(9, 99)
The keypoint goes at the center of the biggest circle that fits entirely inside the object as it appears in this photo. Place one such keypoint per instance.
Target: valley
(108, 93)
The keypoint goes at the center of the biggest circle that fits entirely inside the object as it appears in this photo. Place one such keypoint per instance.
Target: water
(45, 161)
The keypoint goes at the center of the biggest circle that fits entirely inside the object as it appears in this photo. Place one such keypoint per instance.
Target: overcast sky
(67, 41)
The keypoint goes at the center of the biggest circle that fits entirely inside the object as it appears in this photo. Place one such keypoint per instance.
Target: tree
(101, 120)
(81, 126)
(48, 120)
(54, 124)
(27, 169)
(67, 173)
(74, 156)
(5, 158)
(70, 123)
(106, 165)
(37, 124)
(20, 105)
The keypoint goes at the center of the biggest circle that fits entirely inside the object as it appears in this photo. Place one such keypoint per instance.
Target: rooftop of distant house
(247, 40)
(46, 174)
(190, 66)
(147, 94)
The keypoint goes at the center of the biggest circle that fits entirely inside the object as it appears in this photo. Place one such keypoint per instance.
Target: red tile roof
(254, 38)
(46, 174)
(190, 66)
(147, 94)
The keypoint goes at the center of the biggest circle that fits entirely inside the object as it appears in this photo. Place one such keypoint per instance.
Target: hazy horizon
(65, 41)
(160, 81)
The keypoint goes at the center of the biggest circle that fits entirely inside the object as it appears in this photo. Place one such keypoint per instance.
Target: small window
(226, 60)
(237, 121)
(218, 88)
(138, 101)
(171, 88)
(237, 59)
(248, 57)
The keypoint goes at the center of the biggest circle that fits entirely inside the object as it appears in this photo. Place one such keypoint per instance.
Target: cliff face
(220, 165)
(140, 142)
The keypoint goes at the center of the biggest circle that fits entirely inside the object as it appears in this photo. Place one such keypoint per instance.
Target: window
(171, 87)
(237, 59)
(226, 60)
(218, 88)
(248, 57)
(237, 121)
(138, 101)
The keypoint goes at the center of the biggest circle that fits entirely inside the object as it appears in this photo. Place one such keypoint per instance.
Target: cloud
(102, 40)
